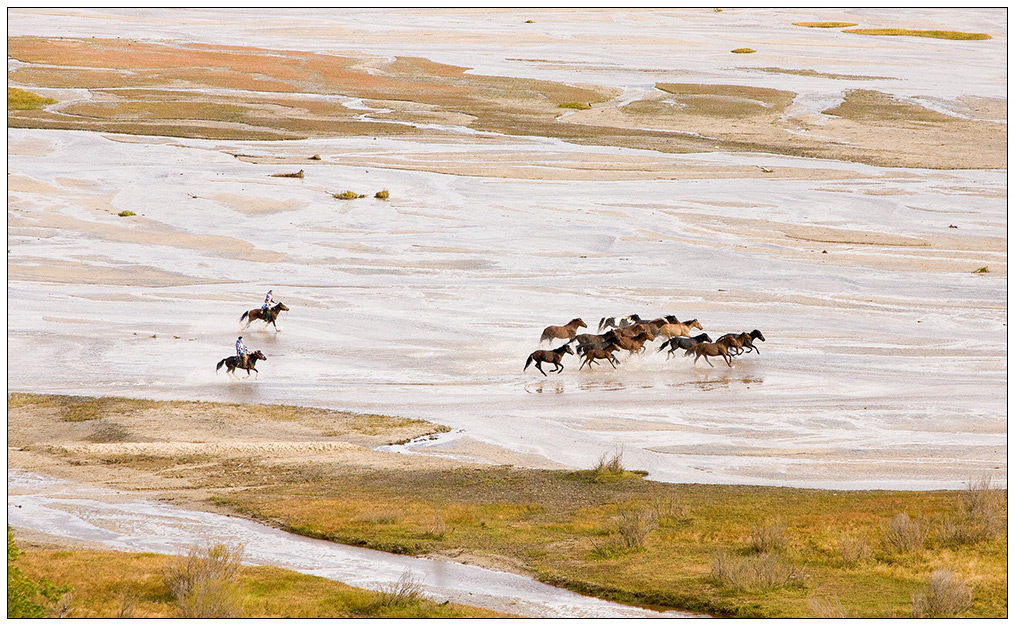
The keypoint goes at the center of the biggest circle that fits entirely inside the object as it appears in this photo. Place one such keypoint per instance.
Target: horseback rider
(241, 352)
(269, 301)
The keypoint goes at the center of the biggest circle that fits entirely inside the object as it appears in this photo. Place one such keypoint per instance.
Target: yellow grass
(21, 100)
(825, 24)
(934, 34)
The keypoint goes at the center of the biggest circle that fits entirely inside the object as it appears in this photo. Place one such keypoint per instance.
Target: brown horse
(593, 354)
(549, 356)
(634, 344)
(678, 329)
(268, 317)
(586, 341)
(636, 329)
(567, 331)
(749, 341)
(706, 350)
(233, 363)
(733, 342)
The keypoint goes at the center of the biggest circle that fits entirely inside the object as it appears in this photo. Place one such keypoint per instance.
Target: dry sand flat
(885, 363)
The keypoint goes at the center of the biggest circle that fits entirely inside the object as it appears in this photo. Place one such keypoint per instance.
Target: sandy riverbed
(885, 364)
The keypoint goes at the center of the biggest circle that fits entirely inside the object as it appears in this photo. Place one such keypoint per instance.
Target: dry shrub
(634, 526)
(760, 571)
(204, 583)
(768, 538)
(828, 608)
(981, 518)
(853, 550)
(945, 596)
(902, 534)
(404, 592)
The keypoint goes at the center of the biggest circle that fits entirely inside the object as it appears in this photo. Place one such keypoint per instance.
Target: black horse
(683, 343)
(549, 356)
(232, 363)
(268, 317)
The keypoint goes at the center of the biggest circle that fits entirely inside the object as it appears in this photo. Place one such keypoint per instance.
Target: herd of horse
(631, 333)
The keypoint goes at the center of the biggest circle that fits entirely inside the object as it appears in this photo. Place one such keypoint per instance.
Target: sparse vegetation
(853, 550)
(743, 50)
(126, 213)
(825, 24)
(902, 32)
(21, 100)
(944, 596)
(982, 270)
(298, 174)
(758, 572)
(407, 591)
(204, 583)
(347, 195)
(769, 537)
(382, 194)
(574, 105)
(902, 534)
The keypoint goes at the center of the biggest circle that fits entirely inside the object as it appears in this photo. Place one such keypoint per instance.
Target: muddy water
(125, 523)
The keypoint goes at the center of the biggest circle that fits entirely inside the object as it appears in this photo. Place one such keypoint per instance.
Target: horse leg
(727, 360)
(538, 363)
(255, 373)
(707, 361)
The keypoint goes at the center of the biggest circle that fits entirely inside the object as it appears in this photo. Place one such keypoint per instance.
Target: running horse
(268, 317)
(549, 356)
(232, 363)
(567, 331)
(669, 328)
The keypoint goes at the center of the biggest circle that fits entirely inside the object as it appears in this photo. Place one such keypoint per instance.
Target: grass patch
(574, 105)
(347, 195)
(933, 34)
(127, 585)
(982, 270)
(825, 24)
(743, 50)
(382, 195)
(763, 571)
(298, 174)
(21, 100)
(126, 213)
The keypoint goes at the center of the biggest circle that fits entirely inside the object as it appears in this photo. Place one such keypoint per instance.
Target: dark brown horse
(268, 317)
(706, 350)
(567, 331)
(748, 342)
(593, 354)
(232, 363)
(682, 343)
(586, 341)
(549, 356)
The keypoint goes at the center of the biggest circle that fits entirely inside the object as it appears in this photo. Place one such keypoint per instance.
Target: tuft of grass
(126, 213)
(204, 583)
(854, 549)
(768, 538)
(298, 174)
(743, 50)
(753, 573)
(634, 526)
(944, 596)
(575, 105)
(902, 534)
(347, 195)
(982, 270)
(610, 469)
(21, 100)
(382, 194)
(316, 157)
(406, 591)
(828, 608)
(825, 24)
(902, 32)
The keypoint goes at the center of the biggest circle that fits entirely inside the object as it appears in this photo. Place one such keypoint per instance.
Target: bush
(27, 598)
(981, 518)
(944, 596)
(204, 583)
(762, 571)
(382, 195)
(405, 592)
(126, 213)
(902, 534)
(768, 538)
(347, 195)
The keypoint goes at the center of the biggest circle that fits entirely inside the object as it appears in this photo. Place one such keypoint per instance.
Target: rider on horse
(241, 352)
(269, 301)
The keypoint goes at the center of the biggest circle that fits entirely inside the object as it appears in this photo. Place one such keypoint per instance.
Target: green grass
(635, 540)
(126, 213)
(21, 100)
(110, 584)
(934, 34)
(574, 105)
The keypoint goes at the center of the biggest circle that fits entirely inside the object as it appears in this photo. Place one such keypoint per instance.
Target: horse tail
(244, 316)
(528, 362)
(219, 366)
